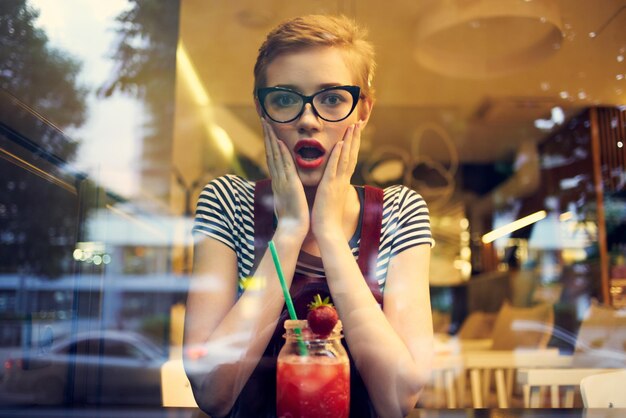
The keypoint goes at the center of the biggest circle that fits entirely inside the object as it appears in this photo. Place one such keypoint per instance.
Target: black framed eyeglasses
(332, 104)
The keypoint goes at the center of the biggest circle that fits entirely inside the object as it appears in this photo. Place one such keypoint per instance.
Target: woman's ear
(365, 110)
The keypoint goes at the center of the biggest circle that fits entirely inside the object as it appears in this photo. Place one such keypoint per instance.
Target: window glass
(115, 114)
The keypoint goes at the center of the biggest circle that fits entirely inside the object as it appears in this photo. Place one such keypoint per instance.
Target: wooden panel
(610, 174)
(612, 135)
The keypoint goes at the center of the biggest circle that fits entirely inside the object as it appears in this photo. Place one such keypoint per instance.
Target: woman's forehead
(310, 69)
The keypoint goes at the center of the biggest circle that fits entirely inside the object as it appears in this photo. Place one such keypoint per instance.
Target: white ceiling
(486, 119)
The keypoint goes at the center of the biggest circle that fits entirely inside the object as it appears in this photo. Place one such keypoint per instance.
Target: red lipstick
(309, 153)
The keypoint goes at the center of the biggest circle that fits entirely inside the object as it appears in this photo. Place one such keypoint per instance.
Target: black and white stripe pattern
(225, 212)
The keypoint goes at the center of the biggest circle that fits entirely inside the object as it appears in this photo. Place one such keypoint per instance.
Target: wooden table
(534, 380)
(503, 365)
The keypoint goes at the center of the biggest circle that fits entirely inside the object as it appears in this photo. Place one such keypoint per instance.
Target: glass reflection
(88, 271)
(100, 163)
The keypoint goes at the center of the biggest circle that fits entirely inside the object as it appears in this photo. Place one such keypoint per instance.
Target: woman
(313, 96)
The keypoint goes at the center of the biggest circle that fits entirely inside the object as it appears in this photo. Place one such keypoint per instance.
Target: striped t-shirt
(225, 212)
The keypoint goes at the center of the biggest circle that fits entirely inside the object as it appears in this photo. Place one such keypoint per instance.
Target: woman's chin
(310, 178)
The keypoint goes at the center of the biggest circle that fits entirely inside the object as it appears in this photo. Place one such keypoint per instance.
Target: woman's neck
(309, 193)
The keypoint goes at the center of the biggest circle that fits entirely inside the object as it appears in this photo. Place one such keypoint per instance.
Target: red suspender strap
(370, 237)
(370, 229)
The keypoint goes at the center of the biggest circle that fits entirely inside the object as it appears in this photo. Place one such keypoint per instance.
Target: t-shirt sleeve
(214, 212)
(413, 222)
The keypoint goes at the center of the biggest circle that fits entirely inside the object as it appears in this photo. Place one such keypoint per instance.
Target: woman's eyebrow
(318, 87)
(288, 86)
(326, 85)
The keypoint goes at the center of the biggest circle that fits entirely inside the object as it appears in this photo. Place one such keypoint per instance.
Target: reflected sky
(111, 135)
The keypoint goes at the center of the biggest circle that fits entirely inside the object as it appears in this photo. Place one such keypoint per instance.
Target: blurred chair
(523, 327)
(600, 348)
(502, 364)
(606, 390)
(448, 379)
(601, 341)
(447, 388)
(519, 339)
(478, 326)
(535, 381)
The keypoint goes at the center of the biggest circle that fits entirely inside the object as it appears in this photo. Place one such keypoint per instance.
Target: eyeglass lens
(331, 105)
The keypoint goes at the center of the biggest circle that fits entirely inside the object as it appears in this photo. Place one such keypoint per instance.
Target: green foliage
(41, 76)
(145, 56)
(145, 51)
(38, 214)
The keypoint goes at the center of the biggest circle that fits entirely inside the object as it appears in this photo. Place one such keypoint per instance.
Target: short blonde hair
(320, 30)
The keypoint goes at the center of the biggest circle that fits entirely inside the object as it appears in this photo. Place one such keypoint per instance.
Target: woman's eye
(332, 99)
(284, 100)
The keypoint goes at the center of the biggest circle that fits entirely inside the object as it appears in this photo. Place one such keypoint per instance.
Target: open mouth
(309, 153)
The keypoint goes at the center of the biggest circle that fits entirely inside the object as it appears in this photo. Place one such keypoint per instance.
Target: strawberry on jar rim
(322, 316)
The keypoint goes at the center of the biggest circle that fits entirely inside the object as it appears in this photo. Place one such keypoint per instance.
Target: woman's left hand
(332, 192)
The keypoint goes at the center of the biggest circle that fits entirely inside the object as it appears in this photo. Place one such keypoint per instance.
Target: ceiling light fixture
(557, 117)
(189, 75)
(486, 38)
(513, 226)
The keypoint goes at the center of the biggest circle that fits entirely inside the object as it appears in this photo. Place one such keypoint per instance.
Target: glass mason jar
(312, 374)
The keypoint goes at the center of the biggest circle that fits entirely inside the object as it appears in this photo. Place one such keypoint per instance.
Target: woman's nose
(308, 119)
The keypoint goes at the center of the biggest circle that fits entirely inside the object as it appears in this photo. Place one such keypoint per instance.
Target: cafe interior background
(508, 116)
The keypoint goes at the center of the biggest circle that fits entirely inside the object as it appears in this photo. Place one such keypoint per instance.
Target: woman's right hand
(289, 198)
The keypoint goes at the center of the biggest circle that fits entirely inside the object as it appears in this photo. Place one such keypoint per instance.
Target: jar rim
(292, 324)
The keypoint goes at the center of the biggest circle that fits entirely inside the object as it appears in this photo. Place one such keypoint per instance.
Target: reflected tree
(41, 76)
(145, 57)
(38, 216)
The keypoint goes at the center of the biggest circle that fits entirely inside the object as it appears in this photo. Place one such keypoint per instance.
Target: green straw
(288, 301)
